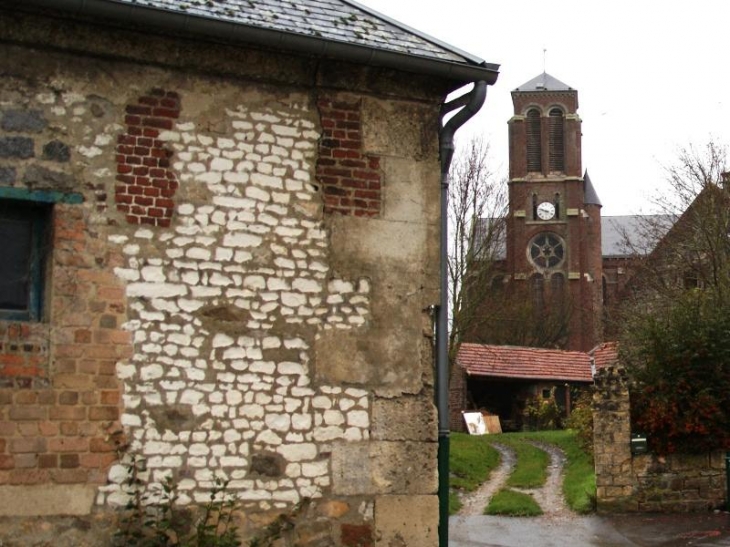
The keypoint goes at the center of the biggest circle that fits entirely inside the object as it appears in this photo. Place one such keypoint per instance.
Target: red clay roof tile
(605, 355)
(525, 363)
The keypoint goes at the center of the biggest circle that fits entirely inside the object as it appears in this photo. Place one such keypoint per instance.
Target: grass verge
(531, 466)
(579, 478)
(471, 460)
(511, 503)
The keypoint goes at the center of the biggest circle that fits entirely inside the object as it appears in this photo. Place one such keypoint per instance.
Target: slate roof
(319, 27)
(544, 82)
(335, 20)
(497, 228)
(640, 229)
(589, 191)
(525, 363)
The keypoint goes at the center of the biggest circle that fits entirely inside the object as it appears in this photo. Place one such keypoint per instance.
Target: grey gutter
(238, 32)
(469, 104)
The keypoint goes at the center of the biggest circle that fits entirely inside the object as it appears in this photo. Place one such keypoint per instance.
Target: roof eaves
(467, 56)
(217, 29)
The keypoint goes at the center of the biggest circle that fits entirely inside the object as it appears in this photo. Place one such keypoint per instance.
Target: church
(558, 254)
(554, 220)
(560, 270)
(556, 250)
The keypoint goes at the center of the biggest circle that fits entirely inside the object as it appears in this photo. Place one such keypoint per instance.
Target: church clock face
(546, 250)
(546, 210)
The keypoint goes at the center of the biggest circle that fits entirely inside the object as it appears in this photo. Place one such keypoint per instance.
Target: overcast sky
(651, 76)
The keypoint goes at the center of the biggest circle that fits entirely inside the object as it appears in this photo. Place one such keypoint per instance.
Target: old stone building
(220, 224)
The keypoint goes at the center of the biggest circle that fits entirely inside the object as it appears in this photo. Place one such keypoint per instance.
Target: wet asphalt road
(698, 530)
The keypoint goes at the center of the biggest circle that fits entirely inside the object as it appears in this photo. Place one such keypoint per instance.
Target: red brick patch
(351, 180)
(145, 184)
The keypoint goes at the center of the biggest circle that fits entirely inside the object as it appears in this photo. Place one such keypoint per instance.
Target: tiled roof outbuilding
(525, 363)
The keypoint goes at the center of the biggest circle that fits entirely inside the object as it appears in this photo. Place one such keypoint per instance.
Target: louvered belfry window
(534, 150)
(556, 151)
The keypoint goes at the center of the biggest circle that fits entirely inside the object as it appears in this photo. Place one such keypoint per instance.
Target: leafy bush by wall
(679, 357)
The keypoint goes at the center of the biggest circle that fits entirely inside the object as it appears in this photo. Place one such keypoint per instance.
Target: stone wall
(647, 482)
(235, 287)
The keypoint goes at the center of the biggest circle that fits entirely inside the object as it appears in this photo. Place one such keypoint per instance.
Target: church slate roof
(641, 231)
(590, 194)
(524, 363)
(544, 82)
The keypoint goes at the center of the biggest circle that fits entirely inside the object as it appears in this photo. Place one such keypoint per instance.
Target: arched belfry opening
(556, 141)
(534, 141)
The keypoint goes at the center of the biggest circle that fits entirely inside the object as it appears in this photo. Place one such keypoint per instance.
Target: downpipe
(469, 104)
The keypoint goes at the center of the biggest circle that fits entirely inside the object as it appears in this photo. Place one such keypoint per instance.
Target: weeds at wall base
(154, 519)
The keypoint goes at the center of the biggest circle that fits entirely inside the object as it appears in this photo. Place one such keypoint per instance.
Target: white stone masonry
(246, 241)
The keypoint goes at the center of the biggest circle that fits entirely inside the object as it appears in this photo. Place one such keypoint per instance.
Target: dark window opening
(557, 285)
(534, 206)
(23, 231)
(498, 283)
(538, 292)
(557, 205)
(556, 149)
(534, 148)
(691, 280)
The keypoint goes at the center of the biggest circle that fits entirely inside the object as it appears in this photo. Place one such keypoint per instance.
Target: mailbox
(638, 444)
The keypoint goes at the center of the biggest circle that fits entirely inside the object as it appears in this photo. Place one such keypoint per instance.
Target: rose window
(546, 250)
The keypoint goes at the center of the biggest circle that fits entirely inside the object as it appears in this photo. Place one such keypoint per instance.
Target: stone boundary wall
(647, 482)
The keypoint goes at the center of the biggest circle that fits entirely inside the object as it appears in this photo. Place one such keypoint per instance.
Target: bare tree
(686, 245)
(517, 318)
(477, 206)
(485, 309)
(675, 328)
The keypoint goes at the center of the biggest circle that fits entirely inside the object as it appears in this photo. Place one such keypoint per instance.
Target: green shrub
(679, 357)
(541, 414)
(581, 421)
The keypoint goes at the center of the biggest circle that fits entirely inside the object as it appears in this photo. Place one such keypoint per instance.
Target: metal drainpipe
(470, 103)
(727, 481)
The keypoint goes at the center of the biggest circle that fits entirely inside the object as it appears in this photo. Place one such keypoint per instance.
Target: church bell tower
(554, 221)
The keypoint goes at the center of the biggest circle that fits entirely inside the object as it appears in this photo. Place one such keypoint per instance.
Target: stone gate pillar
(615, 483)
